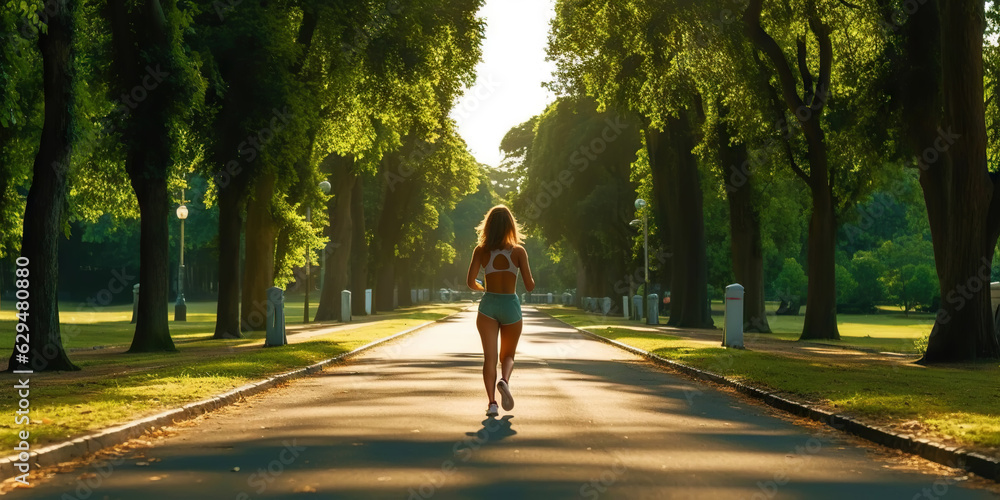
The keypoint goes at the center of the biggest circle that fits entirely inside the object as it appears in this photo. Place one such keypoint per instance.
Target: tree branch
(307, 29)
(779, 112)
(770, 48)
(822, 32)
(807, 81)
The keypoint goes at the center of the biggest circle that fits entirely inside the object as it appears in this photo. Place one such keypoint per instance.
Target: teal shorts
(503, 307)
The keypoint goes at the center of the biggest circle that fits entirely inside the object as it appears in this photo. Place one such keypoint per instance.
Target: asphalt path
(406, 421)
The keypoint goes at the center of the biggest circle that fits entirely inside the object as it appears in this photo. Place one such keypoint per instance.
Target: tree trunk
(258, 268)
(654, 149)
(144, 53)
(227, 319)
(963, 210)
(340, 231)
(821, 300)
(403, 275)
(152, 331)
(385, 282)
(821, 295)
(744, 230)
(359, 249)
(282, 244)
(678, 170)
(46, 198)
(390, 226)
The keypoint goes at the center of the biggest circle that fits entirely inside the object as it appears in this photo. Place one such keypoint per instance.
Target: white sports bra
(506, 253)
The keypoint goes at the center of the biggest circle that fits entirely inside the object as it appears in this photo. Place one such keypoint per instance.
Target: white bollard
(345, 306)
(637, 307)
(368, 301)
(732, 333)
(625, 306)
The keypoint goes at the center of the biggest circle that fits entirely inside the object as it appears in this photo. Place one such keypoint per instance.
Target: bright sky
(508, 87)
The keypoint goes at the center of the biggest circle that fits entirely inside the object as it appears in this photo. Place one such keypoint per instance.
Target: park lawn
(82, 326)
(888, 331)
(960, 402)
(113, 388)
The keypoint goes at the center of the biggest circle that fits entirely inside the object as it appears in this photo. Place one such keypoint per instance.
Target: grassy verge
(959, 402)
(82, 326)
(888, 331)
(113, 387)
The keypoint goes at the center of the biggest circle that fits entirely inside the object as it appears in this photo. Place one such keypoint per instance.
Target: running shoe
(506, 400)
(492, 410)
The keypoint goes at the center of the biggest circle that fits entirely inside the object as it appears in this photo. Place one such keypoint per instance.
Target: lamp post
(324, 186)
(640, 204)
(180, 308)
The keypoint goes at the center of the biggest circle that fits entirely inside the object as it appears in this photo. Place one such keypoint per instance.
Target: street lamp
(324, 186)
(640, 204)
(180, 308)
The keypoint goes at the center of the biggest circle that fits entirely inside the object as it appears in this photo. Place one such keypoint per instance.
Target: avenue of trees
(109, 108)
(875, 120)
(834, 154)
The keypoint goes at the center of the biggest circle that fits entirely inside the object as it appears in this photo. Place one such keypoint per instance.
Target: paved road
(406, 421)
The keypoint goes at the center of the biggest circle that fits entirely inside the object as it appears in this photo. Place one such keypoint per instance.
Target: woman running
(500, 252)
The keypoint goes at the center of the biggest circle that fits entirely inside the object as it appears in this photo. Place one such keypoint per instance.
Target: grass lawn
(888, 331)
(960, 402)
(114, 387)
(82, 326)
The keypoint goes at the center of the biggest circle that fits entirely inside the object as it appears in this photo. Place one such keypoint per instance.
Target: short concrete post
(732, 333)
(368, 301)
(652, 309)
(413, 295)
(135, 302)
(345, 306)
(625, 307)
(550, 297)
(637, 307)
(275, 328)
(605, 305)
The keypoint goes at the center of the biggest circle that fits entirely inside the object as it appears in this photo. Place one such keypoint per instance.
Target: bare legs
(509, 335)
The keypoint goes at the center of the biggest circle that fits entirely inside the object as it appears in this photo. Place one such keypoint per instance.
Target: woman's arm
(474, 271)
(522, 259)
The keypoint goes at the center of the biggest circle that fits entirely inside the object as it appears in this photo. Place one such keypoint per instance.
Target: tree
(341, 232)
(846, 285)
(791, 283)
(937, 85)
(908, 271)
(20, 83)
(574, 185)
(821, 304)
(43, 214)
(910, 286)
(151, 68)
(867, 269)
(624, 54)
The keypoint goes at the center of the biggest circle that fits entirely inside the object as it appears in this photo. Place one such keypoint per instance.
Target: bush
(911, 286)
(791, 283)
(846, 286)
(866, 269)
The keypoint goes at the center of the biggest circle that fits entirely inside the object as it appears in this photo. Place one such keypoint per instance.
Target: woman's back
(501, 269)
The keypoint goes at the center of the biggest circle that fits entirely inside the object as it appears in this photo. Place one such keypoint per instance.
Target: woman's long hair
(499, 229)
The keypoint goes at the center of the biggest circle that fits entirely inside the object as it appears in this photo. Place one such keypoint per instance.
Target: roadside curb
(950, 456)
(62, 452)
